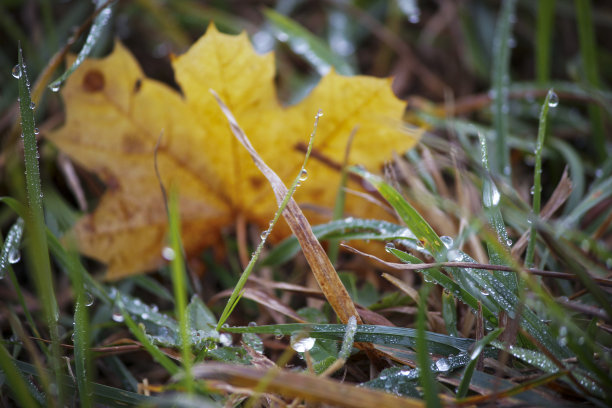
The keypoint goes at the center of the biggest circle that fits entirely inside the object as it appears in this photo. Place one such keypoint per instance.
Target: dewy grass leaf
(426, 378)
(307, 45)
(95, 32)
(475, 353)
(501, 82)
(37, 250)
(537, 180)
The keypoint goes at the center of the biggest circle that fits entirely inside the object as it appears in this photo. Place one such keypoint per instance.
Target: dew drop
(168, 253)
(278, 334)
(442, 365)
(36, 131)
(264, 234)
(427, 278)
(117, 316)
(252, 324)
(509, 242)
(484, 292)
(225, 339)
(16, 71)
(32, 105)
(389, 246)
(55, 87)
(447, 241)
(89, 299)
(303, 175)
(553, 100)
(454, 255)
(302, 345)
(14, 256)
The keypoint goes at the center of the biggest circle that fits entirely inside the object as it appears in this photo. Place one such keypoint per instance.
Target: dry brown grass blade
(323, 270)
(309, 387)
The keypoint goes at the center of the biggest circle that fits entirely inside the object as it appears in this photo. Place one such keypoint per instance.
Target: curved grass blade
(345, 229)
(469, 369)
(382, 335)
(307, 45)
(417, 224)
(94, 33)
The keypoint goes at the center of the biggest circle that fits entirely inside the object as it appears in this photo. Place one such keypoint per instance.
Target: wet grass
(491, 284)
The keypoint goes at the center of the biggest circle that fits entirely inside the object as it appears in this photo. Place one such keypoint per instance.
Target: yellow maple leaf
(114, 116)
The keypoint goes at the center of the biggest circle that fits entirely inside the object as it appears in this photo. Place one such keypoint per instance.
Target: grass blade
(430, 387)
(588, 51)
(307, 45)
(15, 379)
(544, 31)
(94, 33)
(469, 369)
(38, 252)
(177, 265)
(501, 81)
(537, 178)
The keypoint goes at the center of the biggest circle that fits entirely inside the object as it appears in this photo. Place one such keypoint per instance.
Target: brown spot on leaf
(256, 182)
(93, 81)
(131, 143)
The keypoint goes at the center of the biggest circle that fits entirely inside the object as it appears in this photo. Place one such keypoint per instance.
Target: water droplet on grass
(55, 87)
(14, 256)
(389, 246)
(264, 234)
(553, 100)
(447, 241)
(16, 72)
(442, 365)
(303, 344)
(168, 253)
(303, 175)
(117, 316)
(89, 299)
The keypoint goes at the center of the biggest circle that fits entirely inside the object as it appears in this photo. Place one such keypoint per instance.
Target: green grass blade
(307, 45)
(95, 32)
(38, 252)
(588, 51)
(346, 229)
(537, 178)
(237, 292)
(544, 31)
(426, 378)
(82, 355)
(417, 224)
(498, 251)
(469, 369)
(15, 379)
(177, 265)
(382, 335)
(501, 81)
(449, 313)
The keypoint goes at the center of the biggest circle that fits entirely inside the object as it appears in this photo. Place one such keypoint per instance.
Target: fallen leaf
(115, 115)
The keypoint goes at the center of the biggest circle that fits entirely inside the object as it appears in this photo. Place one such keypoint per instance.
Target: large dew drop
(442, 365)
(303, 175)
(553, 100)
(301, 344)
(16, 72)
